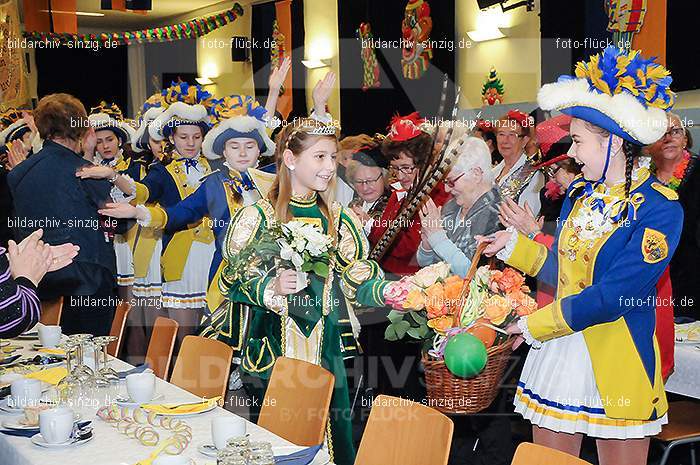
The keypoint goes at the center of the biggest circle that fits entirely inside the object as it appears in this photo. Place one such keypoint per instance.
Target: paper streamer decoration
(370, 66)
(187, 30)
(13, 84)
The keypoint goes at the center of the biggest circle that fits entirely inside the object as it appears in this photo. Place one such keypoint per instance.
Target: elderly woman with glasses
(448, 233)
(367, 175)
(676, 167)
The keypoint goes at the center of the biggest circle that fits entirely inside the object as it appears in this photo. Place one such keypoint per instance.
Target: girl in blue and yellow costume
(317, 323)
(112, 134)
(594, 367)
(240, 137)
(186, 254)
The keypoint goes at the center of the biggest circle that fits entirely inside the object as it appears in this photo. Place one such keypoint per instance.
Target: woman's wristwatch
(114, 178)
(533, 234)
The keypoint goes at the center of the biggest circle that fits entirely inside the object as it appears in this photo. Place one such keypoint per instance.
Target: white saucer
(15, 424)
(5, 407)
(30, 336)
(4, 343)
(127, 402)
(208, 450)
(38, 440)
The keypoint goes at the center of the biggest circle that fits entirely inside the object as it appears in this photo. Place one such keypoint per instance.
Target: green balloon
(465, 355)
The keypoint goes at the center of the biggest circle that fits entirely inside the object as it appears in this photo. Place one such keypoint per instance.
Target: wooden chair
(51, 311)
(202, 366)
(297, 401)
(402, 432)
(528, 453)
(161, 345)
(118, 325)
(683, 428)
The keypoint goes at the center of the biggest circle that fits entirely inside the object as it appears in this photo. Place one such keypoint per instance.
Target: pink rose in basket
(395, 293)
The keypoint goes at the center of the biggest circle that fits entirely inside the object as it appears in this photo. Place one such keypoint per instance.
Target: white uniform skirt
(557, 391)
(191, 290)
(125, 261)
(151, 284)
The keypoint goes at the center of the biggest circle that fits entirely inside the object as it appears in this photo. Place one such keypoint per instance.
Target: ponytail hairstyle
(298, 137)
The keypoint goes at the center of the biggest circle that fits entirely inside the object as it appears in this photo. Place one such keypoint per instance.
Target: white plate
(188, 414)
(4, 343)
(38, 439)
(30, 336)
(127, 402)
(208, 450)
(15, 424)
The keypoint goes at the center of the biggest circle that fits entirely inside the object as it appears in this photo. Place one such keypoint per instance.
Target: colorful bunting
(187, 30)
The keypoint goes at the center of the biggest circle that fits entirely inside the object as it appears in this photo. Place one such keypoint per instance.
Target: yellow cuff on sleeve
(548, 322)
(159, 218)
(142, 194)
(528, 256)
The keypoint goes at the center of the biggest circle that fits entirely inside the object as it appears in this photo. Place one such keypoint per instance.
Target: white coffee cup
(226, 427)
(49, 336)
(56, 424)
(25, 392)
(172, 460)
(141, 386)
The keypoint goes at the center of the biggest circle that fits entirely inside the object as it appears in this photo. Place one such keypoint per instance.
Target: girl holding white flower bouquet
(298, 259)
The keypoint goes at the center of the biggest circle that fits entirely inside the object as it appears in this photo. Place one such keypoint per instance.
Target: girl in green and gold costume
(315, 324)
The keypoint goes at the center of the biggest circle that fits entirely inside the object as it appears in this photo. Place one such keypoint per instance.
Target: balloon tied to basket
(458, 319)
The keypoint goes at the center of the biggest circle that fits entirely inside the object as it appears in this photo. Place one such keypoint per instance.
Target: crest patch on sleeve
(654, 246)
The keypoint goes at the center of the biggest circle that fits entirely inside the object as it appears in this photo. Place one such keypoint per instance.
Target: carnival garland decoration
(187, 30)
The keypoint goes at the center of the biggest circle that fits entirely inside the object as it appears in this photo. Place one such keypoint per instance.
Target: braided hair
(632, 151)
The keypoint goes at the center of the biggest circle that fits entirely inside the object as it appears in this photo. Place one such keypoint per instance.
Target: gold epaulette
(667, 192)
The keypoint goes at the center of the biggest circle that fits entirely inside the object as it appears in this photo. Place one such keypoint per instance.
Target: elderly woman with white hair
(448, 233)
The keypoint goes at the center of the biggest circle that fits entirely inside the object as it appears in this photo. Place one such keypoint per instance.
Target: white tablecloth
(109, 447)
(685, 379)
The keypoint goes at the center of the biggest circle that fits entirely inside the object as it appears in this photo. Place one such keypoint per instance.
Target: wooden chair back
(402, 432)
(161, 345)
(203, 366)
(118, 325)
(297, 401)
(528, 453)
(51, 311)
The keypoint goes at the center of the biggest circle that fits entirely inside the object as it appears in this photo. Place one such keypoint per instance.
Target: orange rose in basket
(415, 300)
(435, 300)
(441, 324)
(453, 290)
(522, 303)
(510, 280)
(496, 308)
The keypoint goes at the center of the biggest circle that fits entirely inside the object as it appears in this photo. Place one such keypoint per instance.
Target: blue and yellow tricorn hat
(152, 107)
(237, 116)
(108, 117)
(184, 105)
(616, 90)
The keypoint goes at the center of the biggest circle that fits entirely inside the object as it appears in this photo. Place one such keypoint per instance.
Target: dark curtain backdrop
(262, 19)
(575, 20)
(682, 44)
(91, 76)
(370, 111)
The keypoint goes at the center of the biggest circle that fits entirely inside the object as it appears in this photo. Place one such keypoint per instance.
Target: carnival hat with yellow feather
(237, 116)
(14, 126)
(184, 105)
(616, 90)
(152, 107)
(108, 116)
